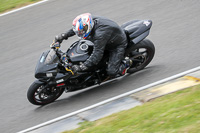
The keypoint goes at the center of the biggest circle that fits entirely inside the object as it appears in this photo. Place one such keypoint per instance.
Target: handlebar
(55, 45)
(65, 63)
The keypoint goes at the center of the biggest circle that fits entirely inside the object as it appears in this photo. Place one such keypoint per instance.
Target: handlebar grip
(55, 45)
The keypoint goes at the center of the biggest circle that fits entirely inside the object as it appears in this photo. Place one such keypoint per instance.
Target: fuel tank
(80, 51)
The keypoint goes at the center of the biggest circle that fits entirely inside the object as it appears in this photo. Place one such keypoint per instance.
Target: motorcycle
(54, 74)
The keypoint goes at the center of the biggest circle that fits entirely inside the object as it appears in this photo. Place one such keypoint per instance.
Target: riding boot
(127, 63)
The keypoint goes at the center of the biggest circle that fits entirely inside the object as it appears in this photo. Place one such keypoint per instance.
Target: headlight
(49, 75)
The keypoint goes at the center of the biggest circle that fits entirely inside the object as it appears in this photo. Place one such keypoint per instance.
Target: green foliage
(6, 5)
(174, 113)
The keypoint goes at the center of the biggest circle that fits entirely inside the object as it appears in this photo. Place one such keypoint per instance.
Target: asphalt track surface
(25, 34)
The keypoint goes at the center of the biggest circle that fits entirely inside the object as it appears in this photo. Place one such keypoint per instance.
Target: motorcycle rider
(106, 35)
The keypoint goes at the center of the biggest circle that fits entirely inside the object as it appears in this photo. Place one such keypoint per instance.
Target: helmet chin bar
(83, 36)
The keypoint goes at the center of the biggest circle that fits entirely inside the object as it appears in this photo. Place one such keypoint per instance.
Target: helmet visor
(81, 32)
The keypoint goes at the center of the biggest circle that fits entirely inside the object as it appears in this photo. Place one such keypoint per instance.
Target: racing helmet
(82, 25)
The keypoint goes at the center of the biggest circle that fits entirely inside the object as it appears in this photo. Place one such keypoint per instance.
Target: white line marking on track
(12, 11)
(111, 99)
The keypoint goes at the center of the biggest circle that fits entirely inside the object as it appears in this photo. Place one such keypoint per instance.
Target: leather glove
(79, 68)
(83, 67)
(76, 68)
(60, 38)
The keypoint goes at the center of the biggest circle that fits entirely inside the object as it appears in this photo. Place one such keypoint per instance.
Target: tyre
(141, 55)
(38, 94)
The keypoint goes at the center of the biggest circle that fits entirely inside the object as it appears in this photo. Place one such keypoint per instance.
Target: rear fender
(133, 46)
(140, 37)
(136, 31)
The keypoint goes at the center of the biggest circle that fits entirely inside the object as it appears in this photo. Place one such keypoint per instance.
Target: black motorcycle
(54, 74)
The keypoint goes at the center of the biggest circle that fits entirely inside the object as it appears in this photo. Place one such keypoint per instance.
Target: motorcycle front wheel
(39, 94)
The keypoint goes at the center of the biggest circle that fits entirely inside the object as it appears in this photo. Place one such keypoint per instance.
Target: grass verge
(6, 5)
(174, 113)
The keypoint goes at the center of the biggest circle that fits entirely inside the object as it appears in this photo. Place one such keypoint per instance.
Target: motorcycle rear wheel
(38, 94)
(141, 55)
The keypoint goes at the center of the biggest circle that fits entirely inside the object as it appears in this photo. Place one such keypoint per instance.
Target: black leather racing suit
(106, 35)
